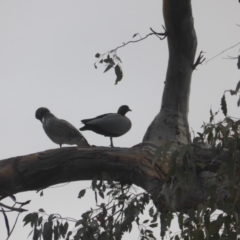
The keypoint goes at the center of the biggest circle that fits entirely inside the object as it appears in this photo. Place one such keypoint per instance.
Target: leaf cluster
(118, 207)
(232, 92)
(111, 60)
(205, 220)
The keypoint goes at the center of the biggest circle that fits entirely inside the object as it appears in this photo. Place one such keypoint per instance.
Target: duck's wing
(113, 125)
(85, 121)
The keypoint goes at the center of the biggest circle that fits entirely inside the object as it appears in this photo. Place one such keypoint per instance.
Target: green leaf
(78, 222)
(65, 228)
(34, 219)
(99, 184)
(145, 221)
(101, 194)
(96, 199)
(56, 233)
(219, 222)
(114, 209)
(68, 235)
(6, 221)
(208, 130)
(180, 220)
(237, 87)
(224, 105)
(119, 73)
(46, 228)
(153, 225)
(39, 221)
(238, 102)
(151, 211)
(177, 237)
(154, 218)
(106, 60)
(108, 67)
(169, 218)
(81, 193)
(94, 183)
(210, 137)
(163, 221)
(119, 59)
(27, 219)
(97, 55)
(104, 187)
(37, 234)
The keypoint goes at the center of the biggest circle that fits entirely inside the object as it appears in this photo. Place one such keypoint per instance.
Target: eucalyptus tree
(181, 177)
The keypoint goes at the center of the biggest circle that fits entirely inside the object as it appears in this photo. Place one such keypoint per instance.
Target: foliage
(204, 221)
(111, 59)
(110, 220)
(232, 92)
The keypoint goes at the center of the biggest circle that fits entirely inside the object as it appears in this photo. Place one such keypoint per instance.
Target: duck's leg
(111, 145)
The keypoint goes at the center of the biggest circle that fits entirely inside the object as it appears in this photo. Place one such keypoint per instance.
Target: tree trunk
(171, 123)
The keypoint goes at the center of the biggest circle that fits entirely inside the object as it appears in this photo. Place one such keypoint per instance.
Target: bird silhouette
(58, 130)
(110, 124)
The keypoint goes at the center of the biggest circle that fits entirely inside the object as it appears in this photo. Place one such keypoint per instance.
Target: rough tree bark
(132, 165)
(171, 123)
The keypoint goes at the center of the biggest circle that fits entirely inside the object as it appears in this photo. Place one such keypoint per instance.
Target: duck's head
(40, 113)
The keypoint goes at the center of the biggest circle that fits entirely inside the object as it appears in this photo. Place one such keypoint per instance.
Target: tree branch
(40, 170)
(127, 165)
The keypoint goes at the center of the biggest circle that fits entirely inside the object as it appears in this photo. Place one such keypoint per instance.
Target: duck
(59, 130)
(110, 124)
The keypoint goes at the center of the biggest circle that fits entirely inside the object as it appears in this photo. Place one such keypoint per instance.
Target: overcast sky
(47, 53)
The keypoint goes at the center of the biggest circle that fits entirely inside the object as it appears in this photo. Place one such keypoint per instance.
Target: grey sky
(47, 53)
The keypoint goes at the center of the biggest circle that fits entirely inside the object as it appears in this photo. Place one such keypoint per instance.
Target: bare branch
(14, 225)
(199, 60)
(6, 222)
(223, 52)
(13, 208)
(141, 39)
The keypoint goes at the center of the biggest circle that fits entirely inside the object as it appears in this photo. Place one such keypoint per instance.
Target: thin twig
(199, 60)
(134, 41)
(13, 209)
(222, 52)
(13, 226)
